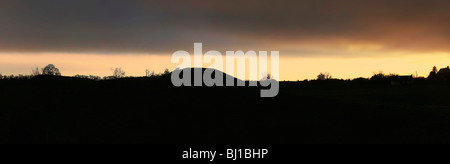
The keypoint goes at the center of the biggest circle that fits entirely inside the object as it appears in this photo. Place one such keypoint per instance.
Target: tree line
(51, 70)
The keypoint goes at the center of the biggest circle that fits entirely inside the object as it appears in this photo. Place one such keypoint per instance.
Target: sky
(348, 38)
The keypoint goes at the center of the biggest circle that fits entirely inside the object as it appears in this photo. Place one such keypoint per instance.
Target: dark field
(51, 109)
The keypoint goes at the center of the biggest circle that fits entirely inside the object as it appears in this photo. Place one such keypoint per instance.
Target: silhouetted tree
(92, 77)
(433, 73)
(378, 76)
(324, 76)
(118, 73)
(150, 74)
(51, 70)
(166, 72)
(35, 71)
(147, 73)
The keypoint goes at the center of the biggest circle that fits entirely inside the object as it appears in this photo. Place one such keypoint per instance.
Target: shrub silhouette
(35, 71)
(324, 76)
(378, 76)
(166, 72)
(147, 73)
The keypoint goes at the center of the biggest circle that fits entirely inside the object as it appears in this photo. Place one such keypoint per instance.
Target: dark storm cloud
(163, 26)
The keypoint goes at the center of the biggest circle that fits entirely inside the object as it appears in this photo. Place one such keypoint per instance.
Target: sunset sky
(348, 38)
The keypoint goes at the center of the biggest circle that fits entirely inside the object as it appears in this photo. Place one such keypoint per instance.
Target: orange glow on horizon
(291, 68)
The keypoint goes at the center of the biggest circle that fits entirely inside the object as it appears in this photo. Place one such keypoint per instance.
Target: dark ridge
(53, 109)
(212, 72)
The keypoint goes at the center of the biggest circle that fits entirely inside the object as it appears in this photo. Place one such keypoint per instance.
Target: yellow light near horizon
(84, 64)
(291, 67)
(296, 68)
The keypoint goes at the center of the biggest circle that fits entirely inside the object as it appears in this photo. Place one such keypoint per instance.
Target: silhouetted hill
(52, 109)
(208, 71)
